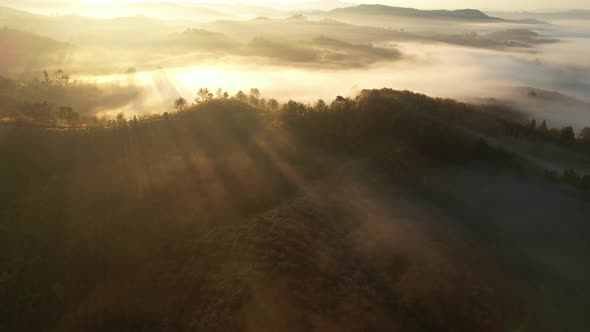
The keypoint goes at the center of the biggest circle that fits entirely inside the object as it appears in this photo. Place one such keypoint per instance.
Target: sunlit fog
(178, 47)
(294, 165)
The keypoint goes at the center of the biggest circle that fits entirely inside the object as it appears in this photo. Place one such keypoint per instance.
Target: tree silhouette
(584, 135)
(543, 126)
(121, 120)
(131, 71)
(273, 104)
(567, 135)
(241, 96)
(46, 77)
(320, 105)
(254, 96)
(180, 104)
(39, 112)
(68, 115)
(203, 95)
(533, 124)
(62, 77)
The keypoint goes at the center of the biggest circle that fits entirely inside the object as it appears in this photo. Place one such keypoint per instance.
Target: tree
(273, 104)
(203, 95)
(320, 105)
(341, 104)
(254, 96)
(39, 112)
(219, 93)
(68, 115)
(294, 109)
(543, 126)
(121, 120)
(570, 176)
(180, 104)
(584, 135)
(62, 77)
(241, 96)
(46, 77)
(131, 71)
(567, 135)
(533, 124)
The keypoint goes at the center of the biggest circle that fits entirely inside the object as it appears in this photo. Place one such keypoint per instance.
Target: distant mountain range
(382, 10)
(23, 50)
(561, 15)
(79, 30)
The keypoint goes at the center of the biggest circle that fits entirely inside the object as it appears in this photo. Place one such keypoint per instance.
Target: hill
(552, 106)
(422, 22)
(23, 50)
(8, 13)
(85, 31)
(235, 215)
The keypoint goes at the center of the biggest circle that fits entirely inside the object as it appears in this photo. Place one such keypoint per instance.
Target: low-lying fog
(437, 69)
(539, 67)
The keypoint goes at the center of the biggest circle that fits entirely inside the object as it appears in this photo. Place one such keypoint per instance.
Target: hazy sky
(438, 4)
(512, 5)
(491, 4)
(481, 4)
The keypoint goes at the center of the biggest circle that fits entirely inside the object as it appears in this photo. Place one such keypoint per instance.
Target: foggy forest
(294, 165)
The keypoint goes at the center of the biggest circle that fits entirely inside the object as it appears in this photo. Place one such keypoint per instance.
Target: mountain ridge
(384, 10)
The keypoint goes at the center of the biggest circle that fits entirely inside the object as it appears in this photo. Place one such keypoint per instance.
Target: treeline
(182, 105)
(403, 123)
(382, 122)
(385, 123)
(541, 133)
(204, 95)
(571, 177)
(371, 121)
(388, 120)
(20, 109)
(56, 100)
(387, 104)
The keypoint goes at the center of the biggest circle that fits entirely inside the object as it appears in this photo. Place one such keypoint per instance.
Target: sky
(512, 5)
(505, 5)
(451, 4)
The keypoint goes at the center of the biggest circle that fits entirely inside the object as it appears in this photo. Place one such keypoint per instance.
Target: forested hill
(390, 210)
